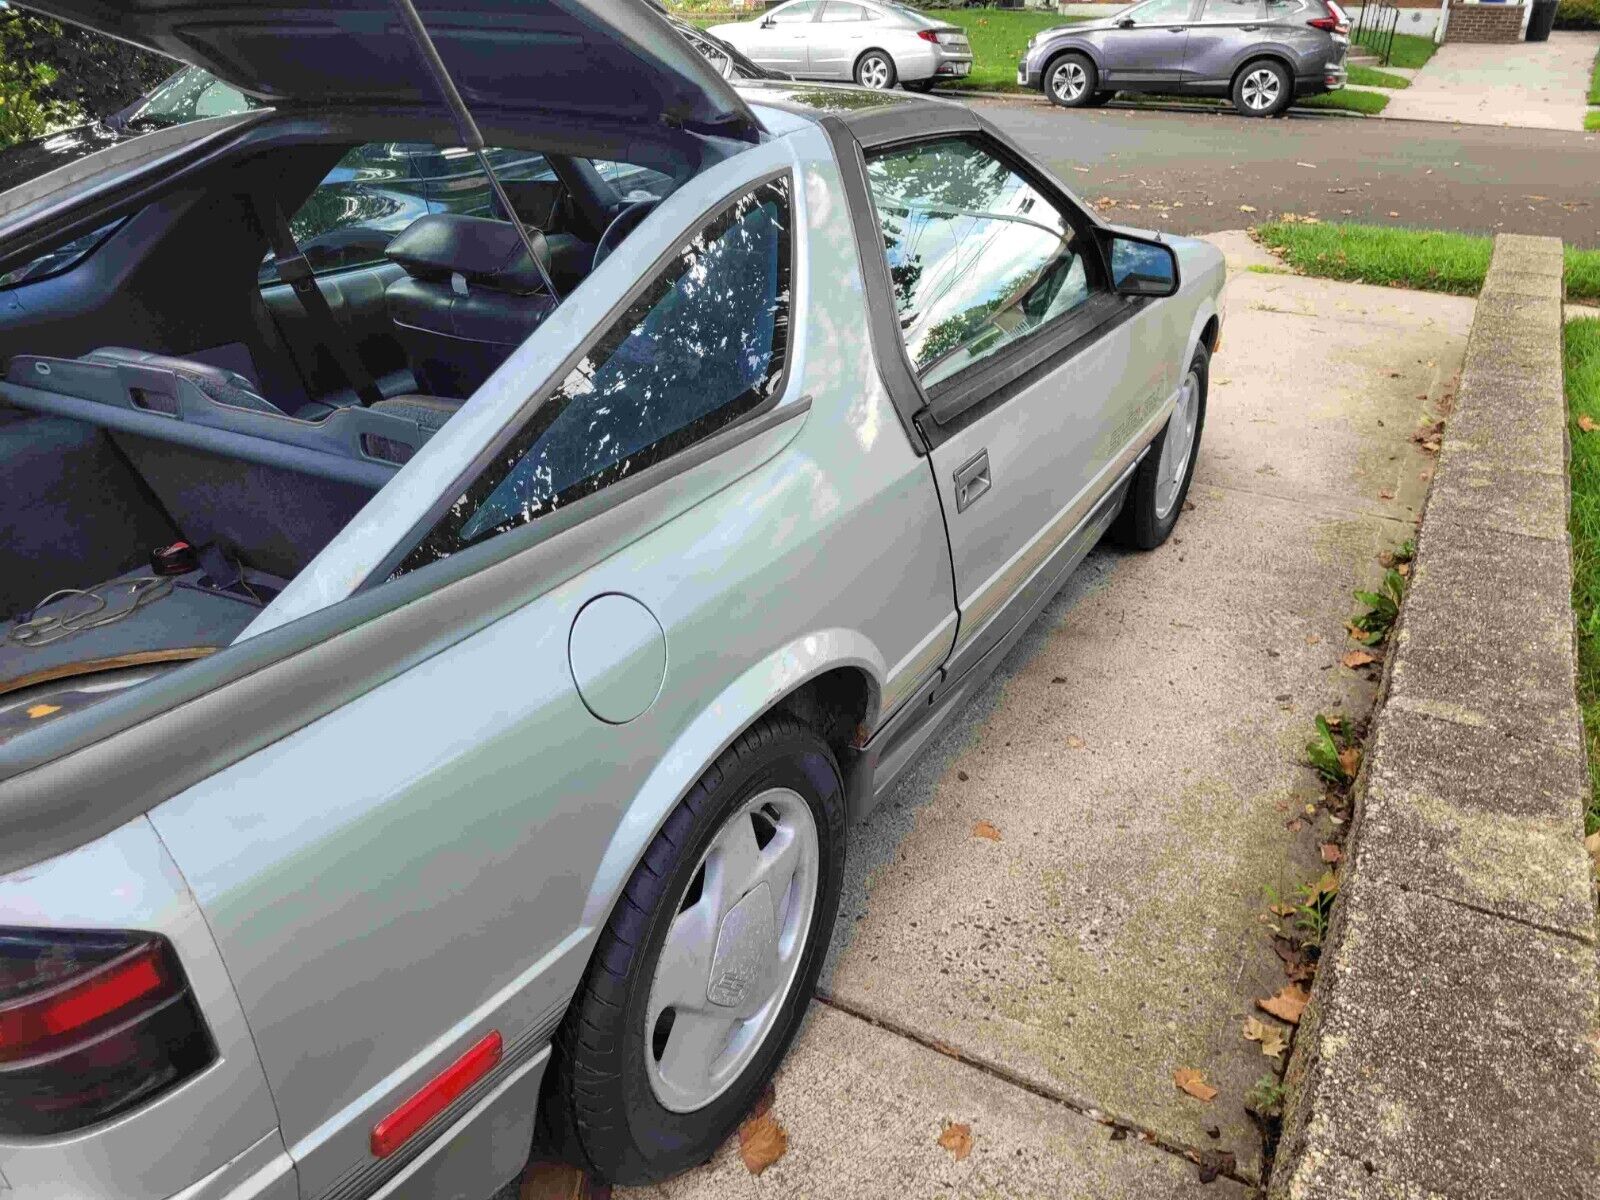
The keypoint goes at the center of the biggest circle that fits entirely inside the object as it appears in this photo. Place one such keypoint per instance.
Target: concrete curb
(1449, 1050)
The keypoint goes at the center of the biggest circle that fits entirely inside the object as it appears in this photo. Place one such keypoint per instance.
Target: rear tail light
(928, 35)
(1335, 22)
(91, 1025)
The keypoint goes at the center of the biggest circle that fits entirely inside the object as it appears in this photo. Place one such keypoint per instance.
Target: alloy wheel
(1261, 89)
(1069, 81)
(1178, 445)
(874, 72)
(733, 950)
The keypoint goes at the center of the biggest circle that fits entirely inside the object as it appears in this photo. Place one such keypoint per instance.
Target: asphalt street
(1196, 172)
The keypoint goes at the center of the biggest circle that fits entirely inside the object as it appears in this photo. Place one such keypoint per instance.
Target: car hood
(612, 58)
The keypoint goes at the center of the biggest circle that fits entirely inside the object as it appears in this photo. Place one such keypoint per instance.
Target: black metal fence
(1375, 28)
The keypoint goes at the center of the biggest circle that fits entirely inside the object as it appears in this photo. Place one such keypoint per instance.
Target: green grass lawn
(1594, 81)
(1372, 77)
(1591, 120)
(1411, 50)
(1366, 103)
(1582, 355)
(1413, 258)
(998, 39)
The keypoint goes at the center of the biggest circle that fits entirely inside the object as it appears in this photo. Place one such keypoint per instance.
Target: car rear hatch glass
(616, 59)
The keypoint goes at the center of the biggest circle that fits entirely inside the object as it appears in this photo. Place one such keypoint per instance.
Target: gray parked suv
(1261, 53)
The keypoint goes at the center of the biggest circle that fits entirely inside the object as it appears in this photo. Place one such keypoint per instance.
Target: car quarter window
(793, 13)
(704, 344)
(979, 256)
(835, 12)
(1224, 12)
(1161, 12)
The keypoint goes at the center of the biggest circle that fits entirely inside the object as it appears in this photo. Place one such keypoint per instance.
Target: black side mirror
(1126, 23)
(1140, 266)
(767, 23)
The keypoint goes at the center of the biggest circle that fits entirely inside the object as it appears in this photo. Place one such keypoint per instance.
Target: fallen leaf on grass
(1587, 423)
(762, 1142)
(956, 1138)
(1272, 1039)
(983, 829)
(1331, 853)
(1357, 658)
(1286, 1004)
(1194, 1084)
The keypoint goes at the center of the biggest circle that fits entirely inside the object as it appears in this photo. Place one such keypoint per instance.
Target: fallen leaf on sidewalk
(1350, 760)
(1592, 845)
(1311, 166)
(1313, 638)
(1587, 423)
(559, 1181)
(1357, 658)
(1213, 1163)
(1074, 742)
(957, 1139)
(1272, 1039)
(1331, 853)
(1286, 1004)
(983, 829)
(1247, 208)
(1194, 1083)
(762, 1142)
(1386, 494)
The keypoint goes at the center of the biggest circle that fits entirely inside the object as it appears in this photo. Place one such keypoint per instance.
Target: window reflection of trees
(976, 255)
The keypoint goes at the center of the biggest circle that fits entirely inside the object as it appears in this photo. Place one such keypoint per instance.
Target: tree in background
(53, 75)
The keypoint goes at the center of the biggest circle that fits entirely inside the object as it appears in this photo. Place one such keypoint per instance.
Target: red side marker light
(389, 1134)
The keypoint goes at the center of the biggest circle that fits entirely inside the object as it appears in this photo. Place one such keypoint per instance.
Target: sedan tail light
(91, 1025)
(1335, 22)
(928, 35)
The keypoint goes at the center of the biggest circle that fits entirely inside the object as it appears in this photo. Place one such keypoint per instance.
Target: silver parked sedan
(1260, 53)
(873, 42)
(436, 681)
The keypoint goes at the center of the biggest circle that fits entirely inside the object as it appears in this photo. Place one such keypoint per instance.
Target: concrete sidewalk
(1139, 754)
(1531, 85)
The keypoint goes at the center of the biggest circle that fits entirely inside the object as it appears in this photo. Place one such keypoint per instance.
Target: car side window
(1161, 12)
(633, 182)
(793, 14)
(370, 196)
(835, 12)
(1228, 12)
(979, 256)
(703, 345)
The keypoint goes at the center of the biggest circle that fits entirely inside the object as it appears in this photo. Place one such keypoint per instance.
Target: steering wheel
(624, 223)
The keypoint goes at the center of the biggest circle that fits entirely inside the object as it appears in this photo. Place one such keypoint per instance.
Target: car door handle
(972, 480)
(1179, 29)
(1249, 28)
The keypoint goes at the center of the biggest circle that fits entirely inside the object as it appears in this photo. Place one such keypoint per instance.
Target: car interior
(195, 397)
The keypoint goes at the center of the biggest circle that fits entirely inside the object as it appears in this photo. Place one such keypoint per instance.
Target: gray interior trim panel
(288, 450)
(85, 774)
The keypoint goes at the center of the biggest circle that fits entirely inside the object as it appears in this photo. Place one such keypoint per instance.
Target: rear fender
(758, 691)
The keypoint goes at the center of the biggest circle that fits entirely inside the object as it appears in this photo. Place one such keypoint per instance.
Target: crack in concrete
(1330, 509)
(1149, 1137)
(1485, 911)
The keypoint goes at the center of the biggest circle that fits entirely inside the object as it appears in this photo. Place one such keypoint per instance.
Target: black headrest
(483, 252)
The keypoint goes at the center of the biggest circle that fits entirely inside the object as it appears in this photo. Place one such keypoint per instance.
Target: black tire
(1250, 87)
(890, 75)
(600, 1110)
(1141, 525)
(1100, 100)
(1060, 91)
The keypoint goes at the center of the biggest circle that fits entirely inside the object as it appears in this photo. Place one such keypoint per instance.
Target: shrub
(1578, 14)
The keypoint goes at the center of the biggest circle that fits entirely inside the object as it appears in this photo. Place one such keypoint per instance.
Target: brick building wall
(1484, 23)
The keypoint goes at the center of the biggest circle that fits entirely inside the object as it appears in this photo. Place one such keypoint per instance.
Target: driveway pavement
(1138, 756)
(1531, 85)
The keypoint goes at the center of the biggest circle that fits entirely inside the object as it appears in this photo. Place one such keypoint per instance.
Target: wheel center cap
(746, 949)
